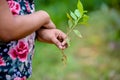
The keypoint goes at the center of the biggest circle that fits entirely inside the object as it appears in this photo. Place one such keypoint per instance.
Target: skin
(17, 27)
(53, 36)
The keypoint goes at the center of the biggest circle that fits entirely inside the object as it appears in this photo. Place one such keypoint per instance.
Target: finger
(57, 43)
(64, 44)
(50, 25)
(62, 37)
(53, 26)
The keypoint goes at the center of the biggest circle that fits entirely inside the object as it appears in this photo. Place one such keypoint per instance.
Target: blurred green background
(94, 57)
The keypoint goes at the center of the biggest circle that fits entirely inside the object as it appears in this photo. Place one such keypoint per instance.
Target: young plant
(74, 18)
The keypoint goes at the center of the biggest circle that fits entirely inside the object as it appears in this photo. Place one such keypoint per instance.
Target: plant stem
(75, 24)
(64, 57)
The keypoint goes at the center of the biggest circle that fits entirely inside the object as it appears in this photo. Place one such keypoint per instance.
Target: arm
(16, 27)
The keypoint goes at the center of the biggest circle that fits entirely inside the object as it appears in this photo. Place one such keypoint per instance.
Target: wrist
(48, 23)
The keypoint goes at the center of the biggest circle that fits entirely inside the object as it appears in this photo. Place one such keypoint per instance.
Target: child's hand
(53, 36)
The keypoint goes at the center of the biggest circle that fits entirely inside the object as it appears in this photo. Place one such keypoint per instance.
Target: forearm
(21, 26)
(16, 27)
(28, 24)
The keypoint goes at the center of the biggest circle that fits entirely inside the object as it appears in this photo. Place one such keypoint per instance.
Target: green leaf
(70, 23)
(75, 22)
(73, 15)
(84, 19)
(77, 13)
(85, 11)
(80, 7)
(69, 17)
(77, 33)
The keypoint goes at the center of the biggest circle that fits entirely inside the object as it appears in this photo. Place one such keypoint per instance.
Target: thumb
(57, 42)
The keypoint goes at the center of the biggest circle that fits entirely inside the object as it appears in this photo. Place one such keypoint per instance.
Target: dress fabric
(16, 56)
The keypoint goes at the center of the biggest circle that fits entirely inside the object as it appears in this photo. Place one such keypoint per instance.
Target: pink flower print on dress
(14, 7)
(18, 78)
(28, 7)
(2, 62)
(20, 51)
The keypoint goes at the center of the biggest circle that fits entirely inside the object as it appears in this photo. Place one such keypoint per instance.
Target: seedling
(78, 16)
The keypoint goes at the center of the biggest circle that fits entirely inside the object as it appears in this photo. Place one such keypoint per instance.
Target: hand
(53, 36)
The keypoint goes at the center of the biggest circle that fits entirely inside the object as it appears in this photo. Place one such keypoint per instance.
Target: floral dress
(16, 56)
